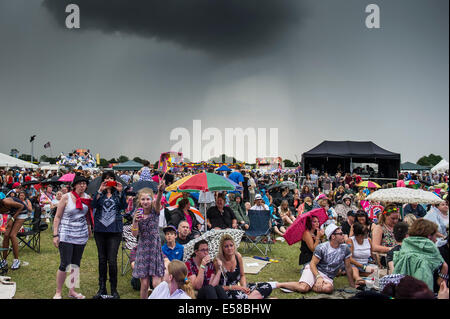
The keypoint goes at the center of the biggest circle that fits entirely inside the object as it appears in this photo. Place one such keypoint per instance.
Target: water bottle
(376, 279)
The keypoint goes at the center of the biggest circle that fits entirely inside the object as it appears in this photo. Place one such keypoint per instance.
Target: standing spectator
(238, 178)
(145, 173)
(108, 227)
(327, 184)
(17, 213)
(71, 231)
(149, 257)
(252, 188)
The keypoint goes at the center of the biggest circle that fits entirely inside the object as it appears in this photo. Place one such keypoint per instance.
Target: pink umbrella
(67, 177)
(295, 232)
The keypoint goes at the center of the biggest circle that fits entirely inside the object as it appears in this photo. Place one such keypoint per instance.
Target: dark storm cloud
(219, 27)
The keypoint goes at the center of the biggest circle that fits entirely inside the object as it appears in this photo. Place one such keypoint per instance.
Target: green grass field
(37, 280)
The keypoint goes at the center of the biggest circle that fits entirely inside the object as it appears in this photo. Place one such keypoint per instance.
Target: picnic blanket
(253, 266)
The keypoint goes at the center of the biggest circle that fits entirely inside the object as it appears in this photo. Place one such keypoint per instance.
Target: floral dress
(233, 278)
(149, 256)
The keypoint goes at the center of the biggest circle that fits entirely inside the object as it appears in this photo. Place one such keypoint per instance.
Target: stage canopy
(348, 156)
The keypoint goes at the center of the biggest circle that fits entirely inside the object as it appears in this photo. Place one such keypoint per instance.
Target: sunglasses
(340, 233)
(391, 210)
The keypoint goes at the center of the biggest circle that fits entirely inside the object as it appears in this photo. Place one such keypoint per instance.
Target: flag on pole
(47, 145)
(32, 138)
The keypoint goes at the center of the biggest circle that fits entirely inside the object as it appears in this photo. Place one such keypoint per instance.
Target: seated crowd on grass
(404, 248)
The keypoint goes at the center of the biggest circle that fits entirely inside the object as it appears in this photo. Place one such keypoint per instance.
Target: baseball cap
(169, 228)
(15, 185)
(330, 230)
(258, 196)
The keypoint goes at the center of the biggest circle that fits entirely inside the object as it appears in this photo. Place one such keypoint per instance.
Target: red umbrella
(294, 233)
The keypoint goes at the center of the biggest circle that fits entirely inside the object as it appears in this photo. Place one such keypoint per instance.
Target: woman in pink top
(401, 182)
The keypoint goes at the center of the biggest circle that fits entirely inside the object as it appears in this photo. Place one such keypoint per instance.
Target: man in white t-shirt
(327, 260)
(259, 203)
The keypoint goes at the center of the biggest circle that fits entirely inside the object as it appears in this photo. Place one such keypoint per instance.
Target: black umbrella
(142, 184)
(53, 181)
(31, 183)
(95, 184)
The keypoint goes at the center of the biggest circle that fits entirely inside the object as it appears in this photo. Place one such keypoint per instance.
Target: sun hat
(79, 179)
(330, 230)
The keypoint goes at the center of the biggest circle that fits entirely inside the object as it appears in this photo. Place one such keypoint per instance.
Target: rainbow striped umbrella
(368, 184)
(204, 182)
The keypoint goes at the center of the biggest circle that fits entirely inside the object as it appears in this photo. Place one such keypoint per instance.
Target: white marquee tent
(9, 161)
(440, 167)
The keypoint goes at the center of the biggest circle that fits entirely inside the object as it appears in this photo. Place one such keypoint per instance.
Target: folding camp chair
(258, 232)
(128, 243)
(33, 226)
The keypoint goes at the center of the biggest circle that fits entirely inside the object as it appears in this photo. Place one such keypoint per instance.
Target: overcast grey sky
(310, 68)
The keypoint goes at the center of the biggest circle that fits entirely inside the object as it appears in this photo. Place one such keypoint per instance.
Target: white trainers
(16, 264)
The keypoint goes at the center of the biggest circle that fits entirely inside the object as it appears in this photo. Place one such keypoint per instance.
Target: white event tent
(9, 161)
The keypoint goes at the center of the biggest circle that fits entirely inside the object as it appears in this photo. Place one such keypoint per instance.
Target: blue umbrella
(224, 168)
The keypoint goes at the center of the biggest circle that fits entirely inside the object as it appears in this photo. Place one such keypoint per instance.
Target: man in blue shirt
(171, 249)
(238, 178)
(415, 209)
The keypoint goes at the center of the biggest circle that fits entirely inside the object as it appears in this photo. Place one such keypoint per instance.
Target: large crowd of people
(409, 241)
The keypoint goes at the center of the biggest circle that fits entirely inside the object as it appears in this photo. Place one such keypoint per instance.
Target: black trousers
(210, 292)
(70, 254)
(107, 247)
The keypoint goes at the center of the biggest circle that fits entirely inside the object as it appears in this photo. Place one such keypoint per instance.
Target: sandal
(77, 296)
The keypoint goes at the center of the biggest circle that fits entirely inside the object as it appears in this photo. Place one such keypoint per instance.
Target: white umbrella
(440, 167)
(404, 195)
(213, 238)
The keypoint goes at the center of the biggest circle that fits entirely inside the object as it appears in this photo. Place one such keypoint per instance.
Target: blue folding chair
(258, 233)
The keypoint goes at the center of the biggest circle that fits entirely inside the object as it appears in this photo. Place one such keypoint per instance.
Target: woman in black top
(109, 202)
(311, 238)
(233, 274)
(182, 213)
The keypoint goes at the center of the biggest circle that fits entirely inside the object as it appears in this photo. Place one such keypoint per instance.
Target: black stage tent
(331, 156)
